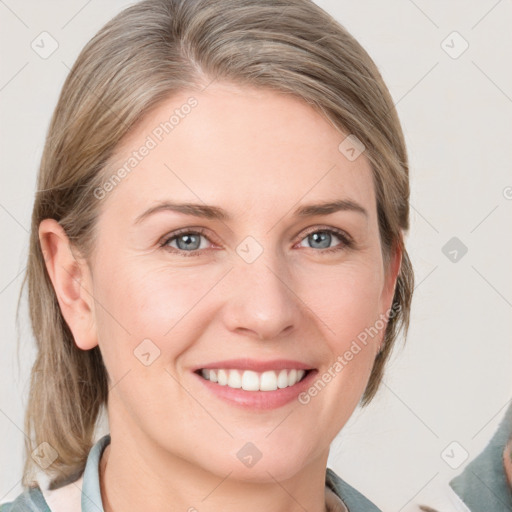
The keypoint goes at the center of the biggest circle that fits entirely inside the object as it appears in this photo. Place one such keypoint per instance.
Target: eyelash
(346, 240)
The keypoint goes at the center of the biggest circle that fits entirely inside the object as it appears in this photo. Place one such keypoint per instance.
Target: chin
(265, 472)
(269, 463)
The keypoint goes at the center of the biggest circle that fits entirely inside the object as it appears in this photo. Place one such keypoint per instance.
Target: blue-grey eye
(320, 239)
(188, 241)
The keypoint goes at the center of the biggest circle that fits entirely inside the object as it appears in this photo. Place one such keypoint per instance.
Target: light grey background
(452, 380)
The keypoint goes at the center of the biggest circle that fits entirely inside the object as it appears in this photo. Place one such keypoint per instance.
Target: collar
(85, 493)
(91, 493)
(353, 499)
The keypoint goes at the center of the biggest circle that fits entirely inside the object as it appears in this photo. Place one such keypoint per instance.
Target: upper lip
(256, 365)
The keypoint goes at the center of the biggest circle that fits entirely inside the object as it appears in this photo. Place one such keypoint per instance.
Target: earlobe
(71, 282)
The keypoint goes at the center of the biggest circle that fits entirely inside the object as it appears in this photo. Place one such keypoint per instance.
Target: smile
(249, 380)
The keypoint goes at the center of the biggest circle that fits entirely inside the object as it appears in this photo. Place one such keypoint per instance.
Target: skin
(259, 155)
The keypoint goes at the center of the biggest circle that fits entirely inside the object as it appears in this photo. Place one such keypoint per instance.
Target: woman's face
(239, 281)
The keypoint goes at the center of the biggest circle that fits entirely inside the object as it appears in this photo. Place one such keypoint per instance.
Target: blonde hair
(142, 56)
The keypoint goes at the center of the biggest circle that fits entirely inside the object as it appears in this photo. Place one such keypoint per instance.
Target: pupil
(324, 237)
(189, 240)
(320, 237)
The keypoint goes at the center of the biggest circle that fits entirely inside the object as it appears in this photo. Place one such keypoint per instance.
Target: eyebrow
(217, 213)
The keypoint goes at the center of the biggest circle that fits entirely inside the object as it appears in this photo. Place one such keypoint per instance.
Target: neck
(137, 475)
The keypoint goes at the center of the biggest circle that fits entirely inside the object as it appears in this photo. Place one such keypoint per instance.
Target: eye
(187, 241)
(321, 238)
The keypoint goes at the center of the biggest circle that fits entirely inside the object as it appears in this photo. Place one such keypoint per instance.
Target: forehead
(238, 146)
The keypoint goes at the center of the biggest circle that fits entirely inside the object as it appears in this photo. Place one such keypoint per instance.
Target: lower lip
(259, 399)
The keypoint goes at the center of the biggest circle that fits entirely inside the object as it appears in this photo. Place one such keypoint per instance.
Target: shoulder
(68, 496)
(30, 500)
(352, 498)
(483, 484)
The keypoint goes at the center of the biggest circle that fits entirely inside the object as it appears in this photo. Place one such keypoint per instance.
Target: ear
(71, 279)
(388, 291)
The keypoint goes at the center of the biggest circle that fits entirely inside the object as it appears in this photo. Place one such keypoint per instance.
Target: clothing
(84, 494)
(483, 485)
(444, 500)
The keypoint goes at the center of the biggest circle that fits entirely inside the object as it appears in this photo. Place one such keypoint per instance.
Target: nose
(261, 301)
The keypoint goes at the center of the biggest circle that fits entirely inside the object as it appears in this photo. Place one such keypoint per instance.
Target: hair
(144, 55)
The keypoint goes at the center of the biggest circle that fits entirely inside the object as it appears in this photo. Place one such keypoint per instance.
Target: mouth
(255, 384)
(249, 380)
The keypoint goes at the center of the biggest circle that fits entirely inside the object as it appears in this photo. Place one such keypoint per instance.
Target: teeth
(282, 379)
(292, 377)
(250, 381)
(222, 377)
(254, 381)
(234, 379)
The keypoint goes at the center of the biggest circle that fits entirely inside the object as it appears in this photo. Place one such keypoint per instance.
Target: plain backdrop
(451, 381)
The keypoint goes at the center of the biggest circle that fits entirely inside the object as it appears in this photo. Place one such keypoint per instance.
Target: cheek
(136, 302)
(346, 302)
(346, 299)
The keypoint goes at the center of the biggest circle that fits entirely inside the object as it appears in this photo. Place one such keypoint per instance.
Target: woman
(217, 261)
